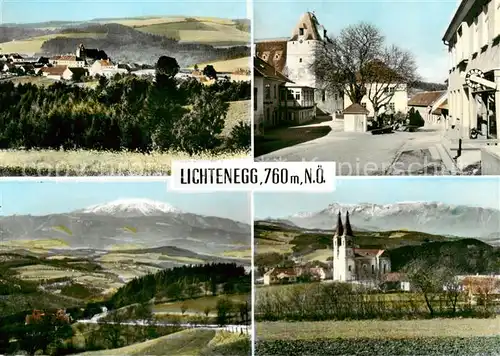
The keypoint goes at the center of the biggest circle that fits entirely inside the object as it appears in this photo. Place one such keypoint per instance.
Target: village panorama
(355, 273)
(378, 97)
(122, 96)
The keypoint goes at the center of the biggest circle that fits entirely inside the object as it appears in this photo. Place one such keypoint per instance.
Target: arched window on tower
(373, 269)
(349, 268)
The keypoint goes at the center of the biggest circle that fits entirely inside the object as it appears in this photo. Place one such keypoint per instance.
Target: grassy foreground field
(94, 163)
(376, 337)
(187, 343)
(197, 305)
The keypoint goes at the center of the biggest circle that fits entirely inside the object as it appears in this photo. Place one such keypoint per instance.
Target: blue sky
(31, 197)
(417, 25)
(483, 192)
(27, 11)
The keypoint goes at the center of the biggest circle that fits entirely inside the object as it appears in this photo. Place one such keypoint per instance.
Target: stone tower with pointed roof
(301, 46)
(307, 35)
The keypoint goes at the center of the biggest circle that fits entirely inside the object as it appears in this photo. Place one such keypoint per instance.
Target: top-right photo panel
(381, 88)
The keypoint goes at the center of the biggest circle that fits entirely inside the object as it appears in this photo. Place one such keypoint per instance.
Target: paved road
(358, 153)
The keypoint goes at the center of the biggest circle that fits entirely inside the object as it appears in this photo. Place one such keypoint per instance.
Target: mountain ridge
(429, 217)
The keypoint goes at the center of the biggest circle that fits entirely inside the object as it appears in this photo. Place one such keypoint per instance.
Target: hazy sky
(27, 11)
(417, 25)
(49, 197)
(480, 191)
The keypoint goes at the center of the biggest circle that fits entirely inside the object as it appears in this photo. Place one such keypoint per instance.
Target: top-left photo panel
(114, 88)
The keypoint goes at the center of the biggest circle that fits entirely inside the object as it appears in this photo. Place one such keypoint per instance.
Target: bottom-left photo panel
(123, 268)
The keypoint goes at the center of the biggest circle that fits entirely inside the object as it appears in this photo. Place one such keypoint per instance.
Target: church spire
(348, 229)
(340, 228)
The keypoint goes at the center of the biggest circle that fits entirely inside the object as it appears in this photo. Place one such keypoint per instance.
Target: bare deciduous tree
(358, 62)
(423, 277)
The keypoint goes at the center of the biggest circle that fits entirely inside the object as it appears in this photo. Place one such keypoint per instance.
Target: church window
(300, 60)
(255, 90)
(275, 95)
(350, 268)
(363, 105)
(268, 92)
(384, 267)
(323, 95)
(364, 267)
(373, 269)
(301, 31)
(336, 96)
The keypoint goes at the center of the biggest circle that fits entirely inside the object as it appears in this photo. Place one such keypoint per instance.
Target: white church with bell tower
(351, 263)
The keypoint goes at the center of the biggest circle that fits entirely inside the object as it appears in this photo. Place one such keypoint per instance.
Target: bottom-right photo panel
(405, 266)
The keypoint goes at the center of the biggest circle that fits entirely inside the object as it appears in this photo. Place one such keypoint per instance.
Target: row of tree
(124, 113)
(184, 282)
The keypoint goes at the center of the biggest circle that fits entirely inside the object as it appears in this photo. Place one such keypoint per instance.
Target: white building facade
(395, 98)
(472, 39)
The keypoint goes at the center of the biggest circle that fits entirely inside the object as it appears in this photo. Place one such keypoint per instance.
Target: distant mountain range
(139, 222)
(432, 218)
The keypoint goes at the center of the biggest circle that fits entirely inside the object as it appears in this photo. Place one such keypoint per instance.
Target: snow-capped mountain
(433, 218)
(132, 221)
(132, 207)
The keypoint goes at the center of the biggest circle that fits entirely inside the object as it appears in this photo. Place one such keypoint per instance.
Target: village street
(398, 153)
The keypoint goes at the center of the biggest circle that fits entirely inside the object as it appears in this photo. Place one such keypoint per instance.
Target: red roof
(57, 70)
(395, 277)
(365, 252)
(264, 69)
(426, 98)
(355, 109)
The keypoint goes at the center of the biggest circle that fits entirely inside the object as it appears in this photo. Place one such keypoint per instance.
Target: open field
(244, 254)
(229, 65)
(46, 244)
(239, 111)
(34, 44)
(199, 31)
(391, 329)
(376, 337)
(197, 305)
(94, 163)
(43, 81)
(187, 343)
(146, 258)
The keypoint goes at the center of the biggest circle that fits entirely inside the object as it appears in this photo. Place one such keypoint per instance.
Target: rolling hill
(142, 40)
(188, 342)
(142, 223)
(275, 240)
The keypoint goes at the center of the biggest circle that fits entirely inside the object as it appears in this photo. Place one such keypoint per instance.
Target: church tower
(343, 251)
(80, 51)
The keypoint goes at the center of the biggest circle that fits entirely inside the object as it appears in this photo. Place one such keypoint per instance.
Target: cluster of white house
(94, 62)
